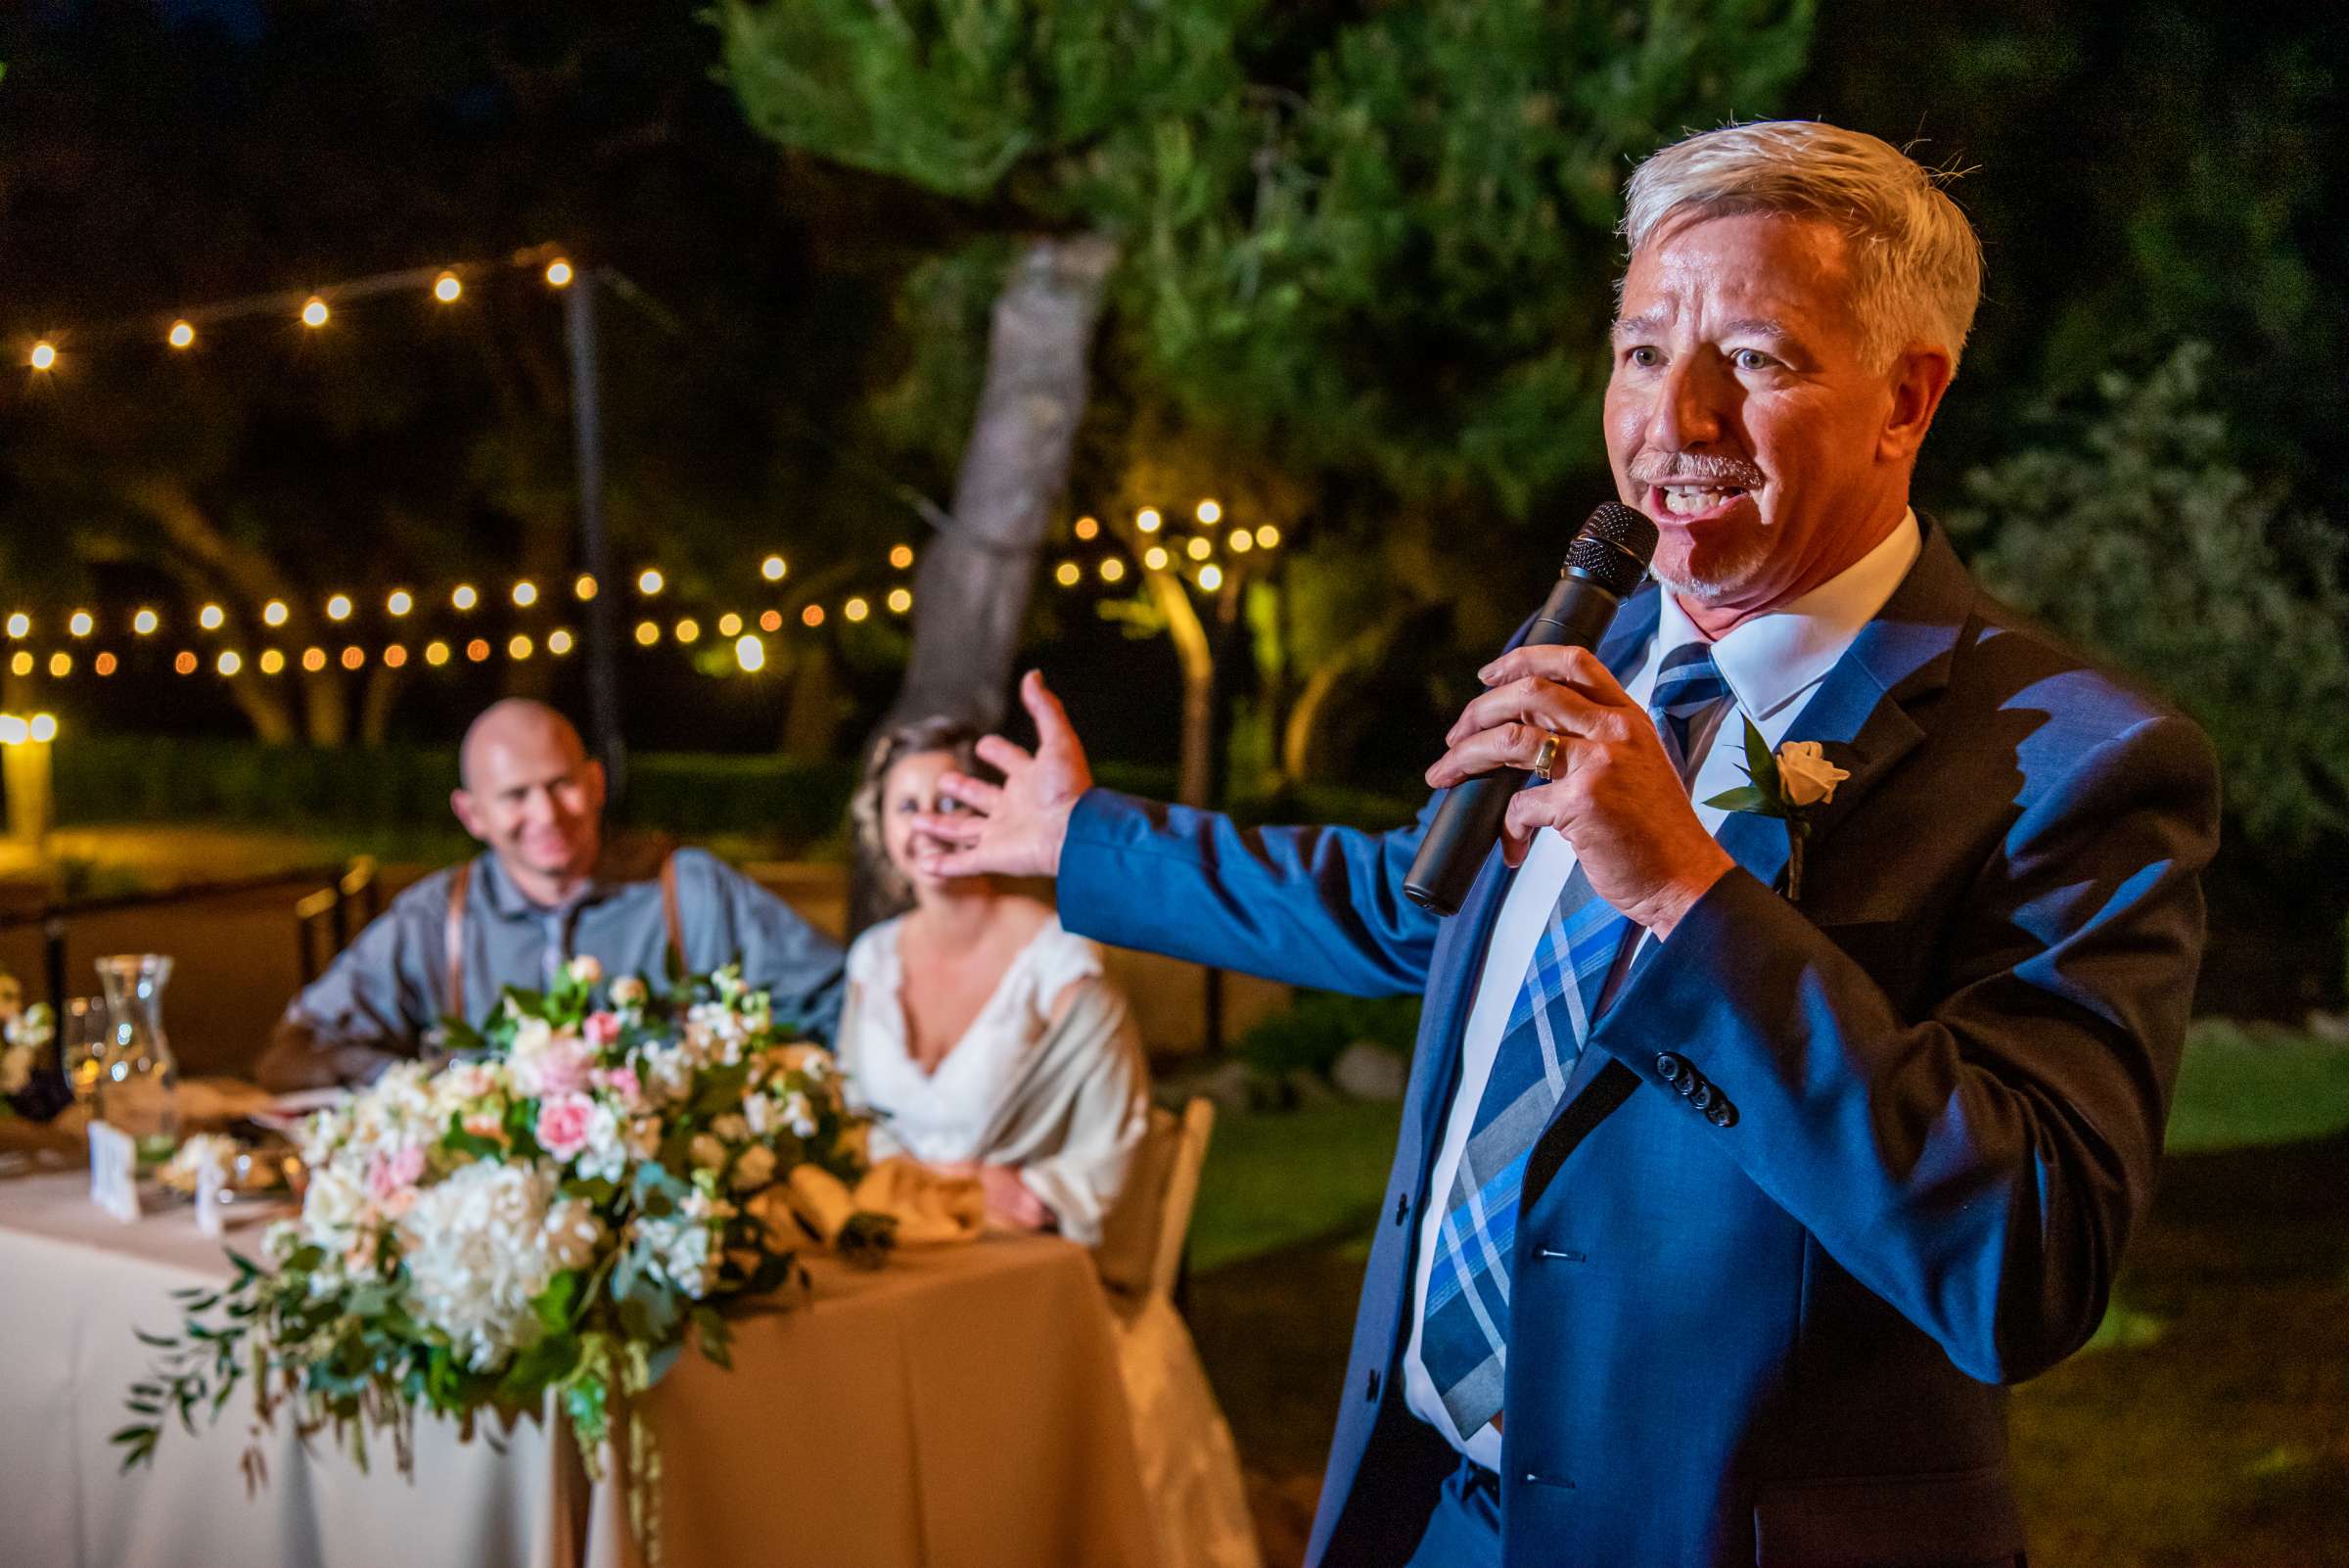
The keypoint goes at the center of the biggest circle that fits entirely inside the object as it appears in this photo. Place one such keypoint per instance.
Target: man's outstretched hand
(1014, 828)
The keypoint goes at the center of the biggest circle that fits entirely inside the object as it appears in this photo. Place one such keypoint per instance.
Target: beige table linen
(961, 1408)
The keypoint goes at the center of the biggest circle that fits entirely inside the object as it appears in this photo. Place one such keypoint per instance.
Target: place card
(211, 1179)
(115, 1171)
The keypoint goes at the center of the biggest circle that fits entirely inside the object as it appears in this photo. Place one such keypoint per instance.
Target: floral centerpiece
(24, 1033)
(548, 1213)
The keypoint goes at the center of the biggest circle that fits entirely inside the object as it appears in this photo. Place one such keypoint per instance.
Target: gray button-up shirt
(385, 991)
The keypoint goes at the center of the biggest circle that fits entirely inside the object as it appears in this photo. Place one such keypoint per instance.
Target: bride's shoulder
(874, 953)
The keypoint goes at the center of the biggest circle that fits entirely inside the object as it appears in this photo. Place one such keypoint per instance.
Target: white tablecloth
(958, 1409)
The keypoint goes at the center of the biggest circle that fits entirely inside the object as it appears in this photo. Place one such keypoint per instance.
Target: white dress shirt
(1772, 664)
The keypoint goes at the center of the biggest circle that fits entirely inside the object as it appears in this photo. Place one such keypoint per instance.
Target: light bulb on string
(272, 661)
(558, 642)
(19, 625)
(583, 588)
(1210, 513)
(43, 356)
(812, 616)
(145, 622)
(856, 610)
(1086, 528)
(401, 602)
(649, 581)
(1211, 578)
(1156, 558)
(901, 600)
(750, 654)
(1198, 549)
(1147, 519)
(230, 662)
(1241, 541)
(104, 663)
(353, 656)
(181, 335)
(771, 621)
(526, 593)
(518, 646)
(1268, 537)
(688, 631)
(435, 653)
(900, 556)
(1113, 570)
(61, 664)
(466, 597)
(43, 728)
(730, 624)
(81, 624)
(446, 288)
(395, 656)
(314, 312)
(274, 612)
(1068, 574)
(558, 274)
(647, 633)
(183, 663)
(337, 608)
(211, 616)
(477, 650)
(774, 568)
(314, 659)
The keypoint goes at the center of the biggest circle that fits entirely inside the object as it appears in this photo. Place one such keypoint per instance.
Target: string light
(211, 617)
(274, 612)
(183, 663)
(1147, 519)
(314, 312)
(856, 610)
(1113, 570)
(688, 630)
(901, 600)
(337, 608)
(583, 588)
(1268, 537)
(21, 664)
(43, 356)
(772, 568)
(1198, 549)
(730, 624)
(314, 659)
(478, 649)
(231, 661)
(773, 620)
(395, 657)
(1210, 513)
(1155, 558)
(558, 642)
(435, 653)
(81, 625)
(181, 335)
(518, 646)
(43, 727)
(145, 622)
(1211, 578)
(19, 625)
(353, 656)
(749, 654)
(558, 274)
(647, 633)
(14, 731)
(104, 663)
(446, 288)
(61, 664)
(649, 581)
(526, 593)
(812, 616)
(272, 661)
(1086, 528)
(900, 556)
(465, 598)
(401, 602)
(1067, 573)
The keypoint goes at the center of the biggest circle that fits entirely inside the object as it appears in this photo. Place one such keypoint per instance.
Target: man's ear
(461, 803)
(596, 786)
(1919, 376)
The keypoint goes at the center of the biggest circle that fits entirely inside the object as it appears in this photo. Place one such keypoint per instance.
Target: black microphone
(1606, 561)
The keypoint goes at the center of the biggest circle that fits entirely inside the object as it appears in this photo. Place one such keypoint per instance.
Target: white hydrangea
(480, 1244)
(684, 1247)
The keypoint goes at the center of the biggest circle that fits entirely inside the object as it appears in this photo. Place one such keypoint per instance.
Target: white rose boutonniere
(1786, 785)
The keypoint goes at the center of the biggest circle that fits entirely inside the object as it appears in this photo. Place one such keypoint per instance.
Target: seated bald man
(542, 892)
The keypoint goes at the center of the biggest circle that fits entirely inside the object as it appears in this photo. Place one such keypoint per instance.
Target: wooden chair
(324, 918)
(1143, 1243)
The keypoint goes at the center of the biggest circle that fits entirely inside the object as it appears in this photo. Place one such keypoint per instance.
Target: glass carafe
(138, 1092)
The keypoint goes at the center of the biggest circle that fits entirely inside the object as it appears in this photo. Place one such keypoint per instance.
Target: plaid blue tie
(1464, 1339)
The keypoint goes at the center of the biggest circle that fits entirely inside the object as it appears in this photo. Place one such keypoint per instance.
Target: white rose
(586, 969)
(628, 991)
(1806, 774)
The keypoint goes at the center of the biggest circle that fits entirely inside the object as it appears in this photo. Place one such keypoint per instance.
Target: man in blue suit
(1726, 1199)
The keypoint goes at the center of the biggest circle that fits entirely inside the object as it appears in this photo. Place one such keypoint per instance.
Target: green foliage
(2135, 532)
(2244, 1085)
(1319, 1027)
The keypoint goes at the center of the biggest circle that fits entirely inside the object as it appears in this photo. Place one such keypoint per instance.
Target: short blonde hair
(957, 738)
(1916, 261)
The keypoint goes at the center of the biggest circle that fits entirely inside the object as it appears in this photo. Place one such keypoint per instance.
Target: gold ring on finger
(1546, 759)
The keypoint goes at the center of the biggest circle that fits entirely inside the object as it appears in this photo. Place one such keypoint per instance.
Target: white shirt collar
(1780, 653)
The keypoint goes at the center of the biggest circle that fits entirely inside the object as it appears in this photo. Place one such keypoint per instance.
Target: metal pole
(595, 556)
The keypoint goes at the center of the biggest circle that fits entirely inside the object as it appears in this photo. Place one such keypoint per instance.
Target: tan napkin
(928, 1208)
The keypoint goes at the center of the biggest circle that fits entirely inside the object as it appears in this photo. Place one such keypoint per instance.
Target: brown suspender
(460, 881)
(453, 999)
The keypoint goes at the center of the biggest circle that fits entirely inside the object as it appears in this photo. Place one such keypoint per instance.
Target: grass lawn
(2207, 1424)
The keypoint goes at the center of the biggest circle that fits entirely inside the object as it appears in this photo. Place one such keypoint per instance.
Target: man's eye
(1752, 360)
(1646, 357)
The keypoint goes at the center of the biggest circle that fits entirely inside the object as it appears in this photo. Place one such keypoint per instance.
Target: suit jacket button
(1722, 1114)
(1685, 1083)
(1702, 1096)
(1371, 1386)
(1670, 1068)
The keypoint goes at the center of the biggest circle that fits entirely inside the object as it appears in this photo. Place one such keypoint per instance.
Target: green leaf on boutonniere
(1746, 798)
(1762, 764)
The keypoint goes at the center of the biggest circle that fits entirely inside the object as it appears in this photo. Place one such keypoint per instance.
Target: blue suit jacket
(1781, 1340)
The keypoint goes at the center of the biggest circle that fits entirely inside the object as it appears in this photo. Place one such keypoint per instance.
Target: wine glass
(84, 1037)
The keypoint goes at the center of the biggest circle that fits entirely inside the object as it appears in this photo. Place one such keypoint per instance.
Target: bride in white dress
(987, 1041)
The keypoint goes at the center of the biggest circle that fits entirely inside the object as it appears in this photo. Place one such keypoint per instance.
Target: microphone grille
(1613, 548)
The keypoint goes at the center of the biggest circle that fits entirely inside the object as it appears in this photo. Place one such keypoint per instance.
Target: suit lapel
(1860, 715)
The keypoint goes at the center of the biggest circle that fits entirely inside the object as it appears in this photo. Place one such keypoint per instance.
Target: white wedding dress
(1049, 1077)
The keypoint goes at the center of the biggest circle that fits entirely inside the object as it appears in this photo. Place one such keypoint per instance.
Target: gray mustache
(1660, 468)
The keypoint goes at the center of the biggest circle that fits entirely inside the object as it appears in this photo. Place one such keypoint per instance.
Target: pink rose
(562, 1124)
(622, 1085)
(562, 1068)
(602, 1029)
(392, 1180)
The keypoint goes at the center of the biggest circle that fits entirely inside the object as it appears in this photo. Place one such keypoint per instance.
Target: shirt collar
(1780, 653)
(506, 901)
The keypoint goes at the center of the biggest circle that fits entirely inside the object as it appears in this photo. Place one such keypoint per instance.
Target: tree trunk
(1304, 748)
(1194, 652)
(971, 592)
